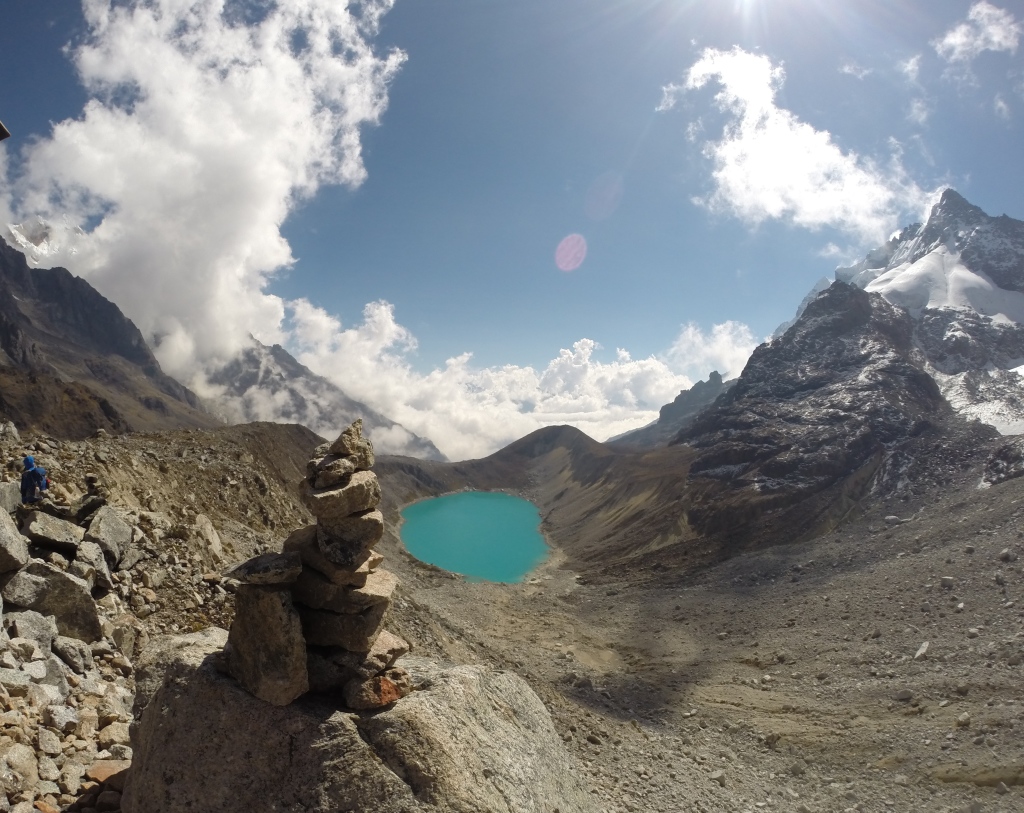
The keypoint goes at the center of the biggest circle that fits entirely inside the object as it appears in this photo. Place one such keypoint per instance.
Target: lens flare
(571, 252)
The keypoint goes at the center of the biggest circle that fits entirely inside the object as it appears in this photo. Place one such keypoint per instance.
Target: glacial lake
(482, 535)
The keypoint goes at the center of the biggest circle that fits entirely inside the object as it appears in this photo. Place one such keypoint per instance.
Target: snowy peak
(959, 258)
(960, 276)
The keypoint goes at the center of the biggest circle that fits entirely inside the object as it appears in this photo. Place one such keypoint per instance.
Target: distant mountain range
(71, 363)
(267, 384)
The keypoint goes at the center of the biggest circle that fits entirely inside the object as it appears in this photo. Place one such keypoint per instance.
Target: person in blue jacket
(33, 481)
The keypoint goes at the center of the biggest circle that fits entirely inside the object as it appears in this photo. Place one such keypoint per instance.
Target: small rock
(922, 652)
(49, 743)
(719, 777)
(904, 695)
(269, 568)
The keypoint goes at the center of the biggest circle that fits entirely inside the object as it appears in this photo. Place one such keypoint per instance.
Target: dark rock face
(971, 345)
(958, 341)
(675, 417)
(811, 419)
(74, 363)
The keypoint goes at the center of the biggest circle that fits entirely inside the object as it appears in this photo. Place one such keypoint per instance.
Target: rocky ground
(875, 668)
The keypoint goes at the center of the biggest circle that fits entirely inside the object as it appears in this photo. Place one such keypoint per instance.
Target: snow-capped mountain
(960, 276)
(267, 384)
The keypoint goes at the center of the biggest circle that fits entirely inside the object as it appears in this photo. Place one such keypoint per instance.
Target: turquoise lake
(482, 535)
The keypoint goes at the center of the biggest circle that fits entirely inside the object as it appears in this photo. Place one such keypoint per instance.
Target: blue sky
(388, 207)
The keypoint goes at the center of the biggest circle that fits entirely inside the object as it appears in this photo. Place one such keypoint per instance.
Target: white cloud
(854, 70)
(471, 411)
(201, 134)
(768, 164)
(1001, 108)
(919, 112)
(911, 68)
(988, 28)
(726, 349)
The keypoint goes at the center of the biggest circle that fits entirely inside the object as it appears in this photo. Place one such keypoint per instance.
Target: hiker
(33, 481)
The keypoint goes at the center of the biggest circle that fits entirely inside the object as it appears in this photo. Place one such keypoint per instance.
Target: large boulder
(108, 530)
(13, 547)
(10, 496)
(360, 493)
(51, 532)
(48, 590)
(266, 650)
(471, 740)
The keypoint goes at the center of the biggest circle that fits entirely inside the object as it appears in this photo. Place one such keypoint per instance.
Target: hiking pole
(4, 132)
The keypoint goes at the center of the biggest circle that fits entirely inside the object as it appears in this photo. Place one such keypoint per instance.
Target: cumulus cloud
(987, 28)
(208, 122)
(205, 126)
(471, 411)
(726, 348)
(768, 164)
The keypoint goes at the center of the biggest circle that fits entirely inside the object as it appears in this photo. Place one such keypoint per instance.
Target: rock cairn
(311, 617)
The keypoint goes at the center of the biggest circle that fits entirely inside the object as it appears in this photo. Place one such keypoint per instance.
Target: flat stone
(50, 591)
(361, 493)
(50, 532)
(314, 591)
(326, 674)
(351, 443)
(22, 759)
(104, 769)
(331, 471)
(386, 649)
(62, 718)
(49, 743)
(13, 547)
(74, 653)
(266, 648)
(355, 632)
(268, 568)
(108, 530)
(331, 668)
(15, 682)
(378, 692)
(10, 496)
(32, 625)
(91, 555)
(347, 541)
(113, 734)
(304, 541)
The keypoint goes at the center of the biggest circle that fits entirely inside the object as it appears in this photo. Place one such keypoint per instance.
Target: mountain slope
(267, 384)
(674, 417)
(839, 405)
(71, 362)
(960, 277)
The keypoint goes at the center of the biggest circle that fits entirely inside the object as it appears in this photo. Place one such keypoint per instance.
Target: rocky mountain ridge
(268, 383)
(960, 276)
(674, 417)
(71, 362)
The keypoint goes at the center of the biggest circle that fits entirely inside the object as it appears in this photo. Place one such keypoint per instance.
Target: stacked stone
(311, 617)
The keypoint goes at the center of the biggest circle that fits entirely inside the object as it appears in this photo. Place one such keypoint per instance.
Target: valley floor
(876, 668)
